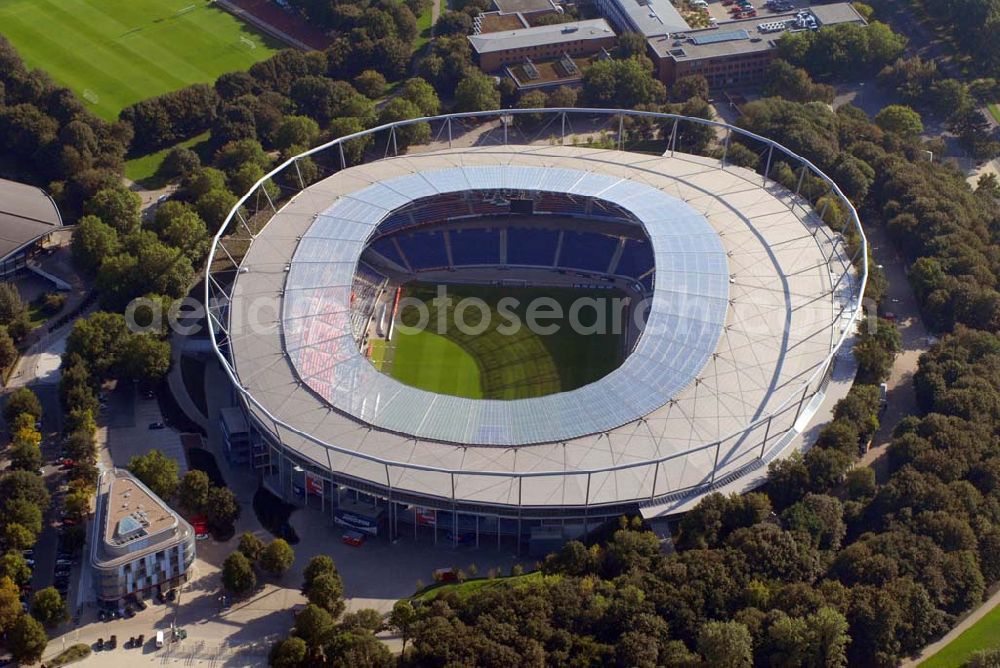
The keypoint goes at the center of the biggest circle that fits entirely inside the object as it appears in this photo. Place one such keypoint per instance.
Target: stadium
(334, 289)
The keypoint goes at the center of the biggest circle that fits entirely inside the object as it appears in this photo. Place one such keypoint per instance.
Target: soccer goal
(248, 43)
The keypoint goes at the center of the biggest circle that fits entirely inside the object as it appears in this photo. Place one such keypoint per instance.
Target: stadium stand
(635, 260)
(425, 250)
(534, 247)
(555, 204)
(368, 283)
(590, 252)
(387, 249)
(474, 246)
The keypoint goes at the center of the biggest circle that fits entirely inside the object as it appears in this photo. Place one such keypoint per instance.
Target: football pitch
(113, 53)
(498, 363)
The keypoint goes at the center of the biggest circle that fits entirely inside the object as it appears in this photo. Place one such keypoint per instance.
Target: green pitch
(496, 364)
(113, 53)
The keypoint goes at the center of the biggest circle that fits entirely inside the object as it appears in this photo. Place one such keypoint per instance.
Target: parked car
(113, 642)
(157, 425)
(141, 640)
(100, 644)
(353, 538)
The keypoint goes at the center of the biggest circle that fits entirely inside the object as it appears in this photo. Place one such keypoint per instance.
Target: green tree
(422, 95)
(11, 306)
(157, 471)
(48, 607)
(98, 339)
(327, 592)
(24, 486)
(398, 109)
(453, 23)
(14, 566)
(251, 546)
(900, 119)
(93, 240)
(621, 83)
(27, 640)
(22, 400)
(25, 456)
(222, 510)
(296, 131)
(22, 511)
(188, 233)
(314, 625)
(193, 492)
(687, 87)
(180, 162)
(476, 92)
(145, 358)
(354, 149)
(277, 557)
(401, 620)
(117, 207)
(8, 351)
(371, 84)
(214, 206)
(288, 653)
(237, 574)
(726, 644)
(10, 604)
(320, 564)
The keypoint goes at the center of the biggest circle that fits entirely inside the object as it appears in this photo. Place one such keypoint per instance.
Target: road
(902, 399)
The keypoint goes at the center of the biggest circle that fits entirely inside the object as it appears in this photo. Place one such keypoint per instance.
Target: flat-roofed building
(28, 215)
(140, 546)
(646, 17)
(579, 38)
(738, 53)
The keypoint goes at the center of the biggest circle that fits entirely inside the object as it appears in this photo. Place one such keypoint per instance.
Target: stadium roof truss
(753, 297)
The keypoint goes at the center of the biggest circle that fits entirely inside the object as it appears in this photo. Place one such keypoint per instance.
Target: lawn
(467, 588)
(984, 634)
(145, 169)
(453, 371)
(114, 53)
(487, 362)
(994, 111)
(424, 26)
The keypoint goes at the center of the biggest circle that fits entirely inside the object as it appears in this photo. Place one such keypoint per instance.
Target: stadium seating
(635, 260)
(559, 204)
(531, 246)
(387, 249)
(475, 246)
(425, 250)
(587, 251)
(441, 208)
(396, 221)
(368, 282)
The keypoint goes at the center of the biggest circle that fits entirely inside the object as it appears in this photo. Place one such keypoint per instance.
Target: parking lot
(722, 10)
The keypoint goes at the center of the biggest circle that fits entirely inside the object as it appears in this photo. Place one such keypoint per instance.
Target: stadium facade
(749, 297)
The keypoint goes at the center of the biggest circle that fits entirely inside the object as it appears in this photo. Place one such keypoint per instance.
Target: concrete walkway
(977, 614)
(902, 398)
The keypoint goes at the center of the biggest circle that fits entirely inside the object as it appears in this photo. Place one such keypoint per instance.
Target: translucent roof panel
(687, 314)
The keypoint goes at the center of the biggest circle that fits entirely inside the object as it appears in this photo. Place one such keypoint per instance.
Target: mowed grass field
(499, 364)
(984, 634)
(113, 53)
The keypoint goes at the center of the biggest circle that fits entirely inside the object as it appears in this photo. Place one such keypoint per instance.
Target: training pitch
(113, 53)
(501, 362)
